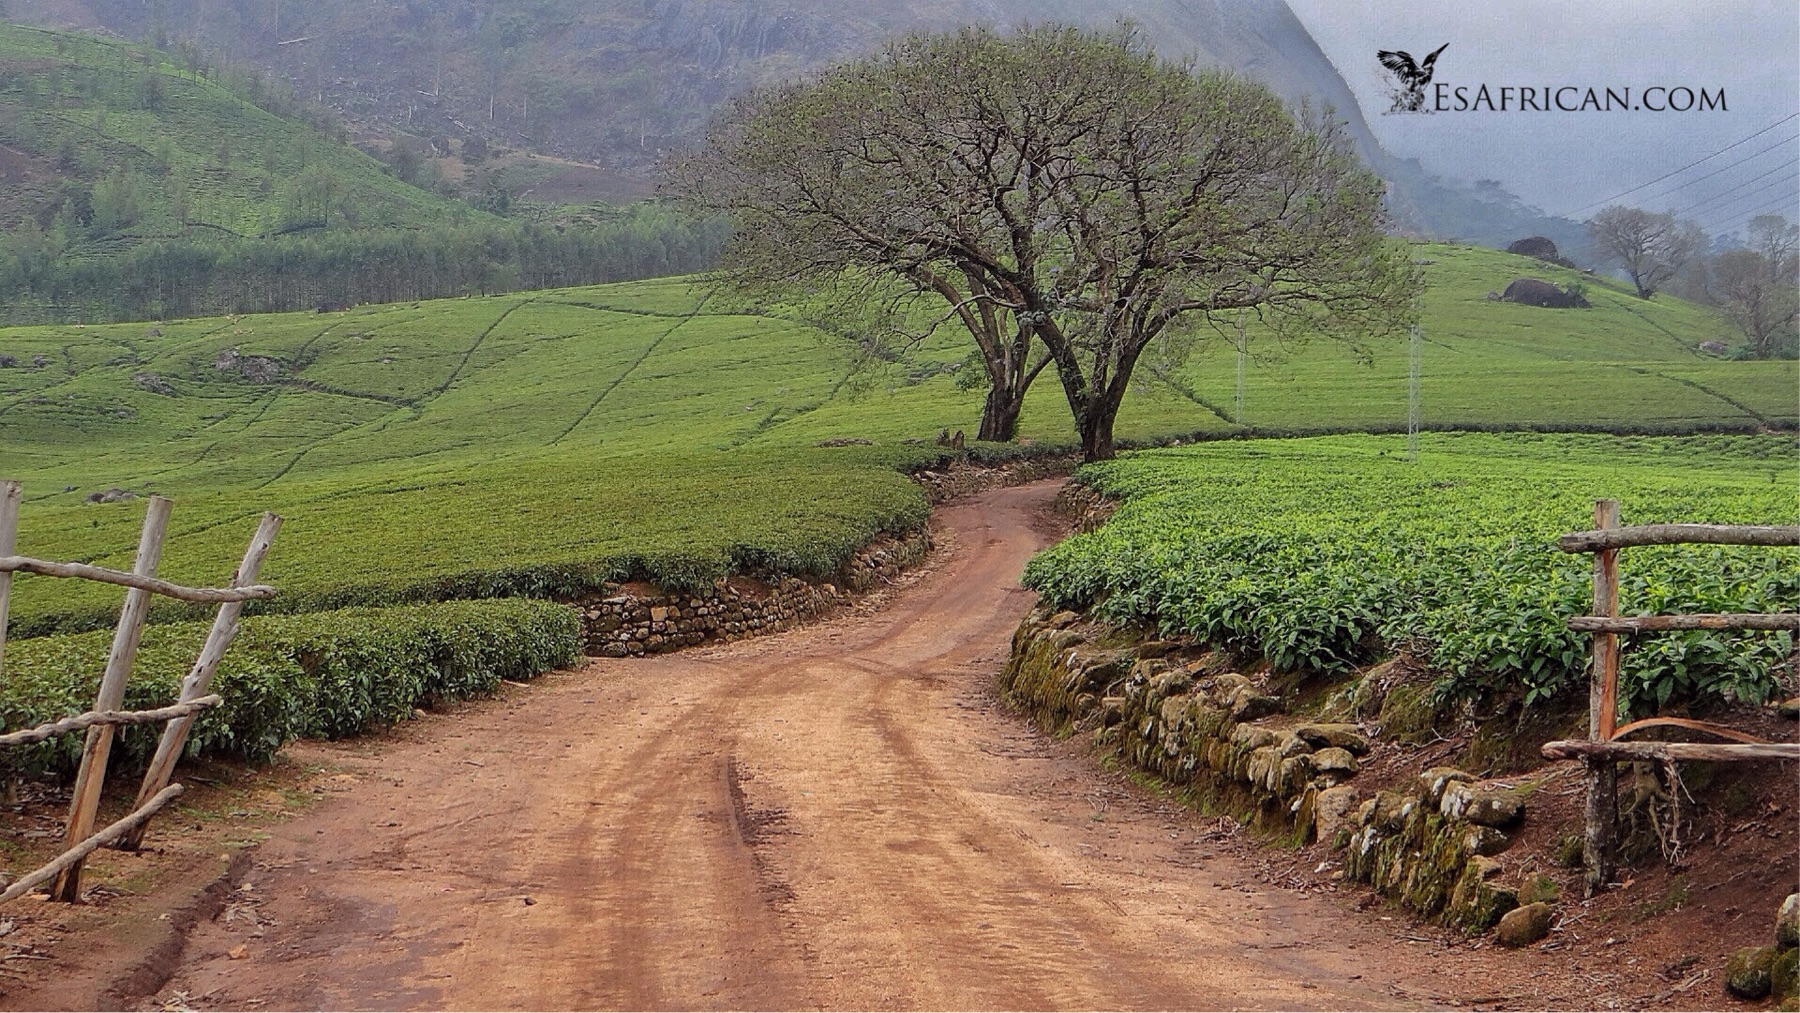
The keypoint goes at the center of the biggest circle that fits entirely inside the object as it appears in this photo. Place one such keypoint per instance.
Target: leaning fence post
(88, 783)
(1603, 688)
(224, 628)
(10, 494)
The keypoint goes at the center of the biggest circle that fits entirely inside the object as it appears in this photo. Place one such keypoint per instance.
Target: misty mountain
(615, 84)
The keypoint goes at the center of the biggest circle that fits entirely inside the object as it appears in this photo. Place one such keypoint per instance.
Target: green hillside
(109, 144)
(541, 442)
(136, 184)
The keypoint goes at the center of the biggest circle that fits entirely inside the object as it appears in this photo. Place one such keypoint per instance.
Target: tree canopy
(1651, 247)
(1067, 196)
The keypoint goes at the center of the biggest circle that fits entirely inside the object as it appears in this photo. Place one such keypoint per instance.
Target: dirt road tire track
(836, 817)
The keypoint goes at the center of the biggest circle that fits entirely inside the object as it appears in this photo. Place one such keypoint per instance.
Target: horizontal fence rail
(91, 718)
(156, 585)
(1581, 749)
(1678, 534)
(1657, 624)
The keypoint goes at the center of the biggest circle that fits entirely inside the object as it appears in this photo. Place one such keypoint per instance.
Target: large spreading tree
(1069, 198)
(1651, 247)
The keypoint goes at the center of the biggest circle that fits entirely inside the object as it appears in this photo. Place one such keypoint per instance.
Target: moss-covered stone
(1568, 851)
(1787, 922)
(1784, 975)
(1478, 900)
(1486, 841)
(1749, 972)
(1539, 888)
(1408, 715)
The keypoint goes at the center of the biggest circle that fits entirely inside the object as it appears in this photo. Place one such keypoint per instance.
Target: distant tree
(1057, 188)
(314, 191)
(1758, 288)
(151, 93)
(498, 44)
(117, 201)
(474, 150)
(1651, 247)
(180, 204)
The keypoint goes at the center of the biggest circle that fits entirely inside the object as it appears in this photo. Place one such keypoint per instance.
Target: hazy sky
(1563, 161)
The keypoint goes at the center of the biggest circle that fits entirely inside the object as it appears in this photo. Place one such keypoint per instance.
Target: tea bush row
(1329, 554)
(323, 674)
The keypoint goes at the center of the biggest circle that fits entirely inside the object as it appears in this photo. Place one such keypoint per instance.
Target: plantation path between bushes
(840, 816)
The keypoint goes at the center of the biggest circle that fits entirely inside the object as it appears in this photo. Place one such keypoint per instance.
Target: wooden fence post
(1603, 687)
(199, 680)
(88, 783)
(10, 495)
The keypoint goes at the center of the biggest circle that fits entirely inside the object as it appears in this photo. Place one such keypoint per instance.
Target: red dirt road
(835, 817)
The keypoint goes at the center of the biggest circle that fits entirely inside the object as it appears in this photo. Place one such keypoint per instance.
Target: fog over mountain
(1566, 162)
(615, 84)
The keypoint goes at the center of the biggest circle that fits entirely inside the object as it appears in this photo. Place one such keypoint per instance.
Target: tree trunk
(1000, 415)
(1096, 425)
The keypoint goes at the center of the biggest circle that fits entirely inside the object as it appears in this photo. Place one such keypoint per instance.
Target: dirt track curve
(837, 817)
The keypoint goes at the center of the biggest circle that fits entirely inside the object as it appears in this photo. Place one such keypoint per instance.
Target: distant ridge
(616, 83)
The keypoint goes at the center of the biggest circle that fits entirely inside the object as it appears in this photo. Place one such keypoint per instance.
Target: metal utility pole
(1242, 352)
(1416, 358)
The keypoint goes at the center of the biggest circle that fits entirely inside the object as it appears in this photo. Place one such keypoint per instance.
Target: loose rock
(1523, 926)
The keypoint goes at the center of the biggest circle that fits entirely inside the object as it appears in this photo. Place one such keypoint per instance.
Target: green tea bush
(1329, 554)
(325, 674)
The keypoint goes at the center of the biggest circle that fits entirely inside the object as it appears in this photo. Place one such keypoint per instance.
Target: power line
(1738, 193)
(1727, 168)
(1783, 203)
(1684, 168)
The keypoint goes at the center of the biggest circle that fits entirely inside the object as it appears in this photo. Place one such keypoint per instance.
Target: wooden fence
(1603, 747)
(80, 839)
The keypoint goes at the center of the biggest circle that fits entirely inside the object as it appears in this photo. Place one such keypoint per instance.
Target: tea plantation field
(1330, 553)
(539, 443)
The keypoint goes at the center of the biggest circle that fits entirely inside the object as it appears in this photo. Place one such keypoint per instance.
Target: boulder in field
(1541, 247)
(1538, 292)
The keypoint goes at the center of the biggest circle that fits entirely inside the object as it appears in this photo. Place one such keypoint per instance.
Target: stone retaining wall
(619, 624)
(965, 478)
(1429, 845)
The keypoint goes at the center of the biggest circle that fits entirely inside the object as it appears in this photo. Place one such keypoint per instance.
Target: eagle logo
(1411, 77)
